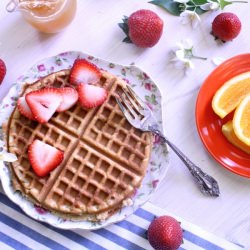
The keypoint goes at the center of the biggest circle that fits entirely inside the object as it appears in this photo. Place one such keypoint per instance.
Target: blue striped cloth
(18, 231)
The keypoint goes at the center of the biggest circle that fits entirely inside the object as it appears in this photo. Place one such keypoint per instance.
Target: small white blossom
(191, 17)
(5, 156)
(210, 5)
(179, 52)
(180, 61)
(182, 55)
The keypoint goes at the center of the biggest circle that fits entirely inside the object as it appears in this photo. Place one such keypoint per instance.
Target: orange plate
(209, 124)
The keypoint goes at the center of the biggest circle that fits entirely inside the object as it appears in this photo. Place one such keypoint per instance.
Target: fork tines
(135, 97)
(130, 103)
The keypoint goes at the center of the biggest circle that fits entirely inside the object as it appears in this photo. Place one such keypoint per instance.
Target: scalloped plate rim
(61, 225)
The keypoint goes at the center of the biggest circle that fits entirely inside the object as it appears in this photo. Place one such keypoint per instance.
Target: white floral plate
(145, 88)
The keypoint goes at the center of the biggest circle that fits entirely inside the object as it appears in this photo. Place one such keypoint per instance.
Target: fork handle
(207, 184)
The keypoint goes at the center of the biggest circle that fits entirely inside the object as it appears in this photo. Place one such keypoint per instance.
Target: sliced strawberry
(91, 96)
(2, 70)
(84, 72)
(43, 157)
(69, 98)
(43, 103)
(24, 108)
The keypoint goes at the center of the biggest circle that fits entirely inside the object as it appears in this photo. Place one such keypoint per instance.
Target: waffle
(105, 158)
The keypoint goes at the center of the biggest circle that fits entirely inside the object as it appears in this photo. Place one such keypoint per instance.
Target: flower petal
(191, 65)
(195, 20)
(180, 54)
(186, 13)
(205, 6)
(210, 5)
(188, 16)
(181, 1)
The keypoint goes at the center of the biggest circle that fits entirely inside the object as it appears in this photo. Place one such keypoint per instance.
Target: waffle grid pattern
(105, 158)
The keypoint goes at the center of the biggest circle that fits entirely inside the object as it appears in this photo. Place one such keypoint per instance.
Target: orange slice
(241, 120)
(229, 95)
(228, 132)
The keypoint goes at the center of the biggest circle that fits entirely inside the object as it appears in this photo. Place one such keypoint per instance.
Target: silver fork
(141, 117)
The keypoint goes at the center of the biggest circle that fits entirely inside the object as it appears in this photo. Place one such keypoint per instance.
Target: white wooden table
(95, 31)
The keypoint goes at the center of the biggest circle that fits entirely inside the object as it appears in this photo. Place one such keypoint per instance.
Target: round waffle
(105, 158)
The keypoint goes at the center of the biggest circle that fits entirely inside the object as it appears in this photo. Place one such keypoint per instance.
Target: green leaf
(177, 8)
(224, 3)
(148, 98)
(194, 6)
(124, 27)
(151, 99)
(198, 2)
(154, 101)
(169, 5)
(127, 40)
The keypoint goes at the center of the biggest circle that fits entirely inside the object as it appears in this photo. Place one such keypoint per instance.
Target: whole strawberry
(2, 70)
(143, 28)
(165, 233)
(226, 26)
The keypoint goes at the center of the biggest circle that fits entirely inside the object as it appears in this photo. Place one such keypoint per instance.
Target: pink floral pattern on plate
(145, 88)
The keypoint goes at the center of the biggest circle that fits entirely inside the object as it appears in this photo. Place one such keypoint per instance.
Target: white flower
(191, 17)
(184, 49)
(180, 61)
(183, 54)
(5, 156)
(210, 5)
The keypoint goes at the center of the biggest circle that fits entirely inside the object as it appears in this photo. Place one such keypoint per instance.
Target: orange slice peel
(228, 132)
(230, 94)
(241, 120)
